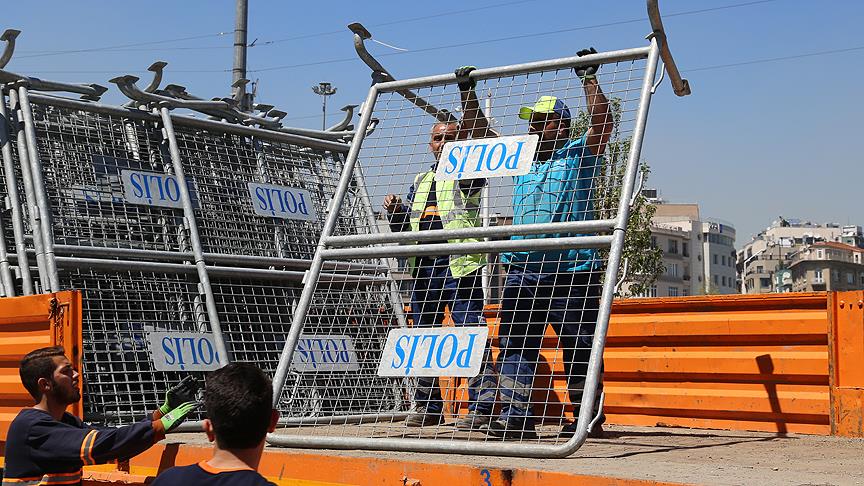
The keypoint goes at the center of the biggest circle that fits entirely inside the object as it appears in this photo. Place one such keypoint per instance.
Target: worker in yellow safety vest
(444, 281)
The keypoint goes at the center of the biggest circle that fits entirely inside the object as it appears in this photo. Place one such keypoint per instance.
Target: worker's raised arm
(474, 123)
(600, 115)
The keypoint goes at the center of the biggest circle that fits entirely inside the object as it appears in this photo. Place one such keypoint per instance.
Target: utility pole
(241, 21)
(324, 89)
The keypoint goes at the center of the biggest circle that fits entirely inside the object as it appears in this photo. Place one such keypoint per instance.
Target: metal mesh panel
(222, 166)
(82, 155)
(119, 308)
(555, 284)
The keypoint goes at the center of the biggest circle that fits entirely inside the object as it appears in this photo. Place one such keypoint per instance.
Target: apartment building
(765, 264)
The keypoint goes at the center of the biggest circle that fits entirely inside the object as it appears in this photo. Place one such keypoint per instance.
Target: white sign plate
(487, 157)
(324, 353)
(151, 189)
(281, 202)
(184, 351)
(446, 351)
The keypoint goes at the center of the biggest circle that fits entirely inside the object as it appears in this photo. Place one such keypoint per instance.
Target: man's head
(549, 119)
(47, 372)
(239, 402)
(442, 133)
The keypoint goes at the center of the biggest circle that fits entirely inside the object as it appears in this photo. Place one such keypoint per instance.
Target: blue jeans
(531, 301)
(434, 288)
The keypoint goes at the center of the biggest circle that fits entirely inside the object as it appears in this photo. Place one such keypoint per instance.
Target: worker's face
(441, 134)
(64, 386)
(550, 128)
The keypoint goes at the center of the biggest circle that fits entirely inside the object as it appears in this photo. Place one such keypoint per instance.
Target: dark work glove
(587, 72)
(183, 392)
(465, 83)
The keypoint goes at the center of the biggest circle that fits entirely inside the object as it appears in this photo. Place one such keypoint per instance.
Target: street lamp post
(324, 89)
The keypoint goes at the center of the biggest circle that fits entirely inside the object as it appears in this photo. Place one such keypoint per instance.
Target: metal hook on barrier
(624, 272)
(8, 36)
(659, 80)
(126, 84)
(640, 180)
(380, 74)
(156, 68)
(679, 85)
(90, 92)
(342, 125)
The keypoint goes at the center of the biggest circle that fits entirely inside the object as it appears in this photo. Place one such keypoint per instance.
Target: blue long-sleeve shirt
(41, 450)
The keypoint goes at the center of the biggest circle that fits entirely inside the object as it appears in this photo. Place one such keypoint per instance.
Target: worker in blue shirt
(240, 413)
(557, 287)
(46, 445)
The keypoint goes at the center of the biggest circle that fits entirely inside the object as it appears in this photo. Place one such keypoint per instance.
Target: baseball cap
(546, 104)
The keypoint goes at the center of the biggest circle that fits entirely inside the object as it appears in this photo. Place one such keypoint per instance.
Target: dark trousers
(434, 288)
(569, 303)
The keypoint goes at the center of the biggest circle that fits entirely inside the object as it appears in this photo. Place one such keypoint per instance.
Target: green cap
(546, 104)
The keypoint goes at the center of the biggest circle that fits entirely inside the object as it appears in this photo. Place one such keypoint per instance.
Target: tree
(643, 261)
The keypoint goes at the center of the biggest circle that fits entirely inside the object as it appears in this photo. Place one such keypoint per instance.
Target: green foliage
(644, 262)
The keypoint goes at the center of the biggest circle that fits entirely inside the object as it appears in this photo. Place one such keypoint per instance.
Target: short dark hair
(37, 364)
(239, 401)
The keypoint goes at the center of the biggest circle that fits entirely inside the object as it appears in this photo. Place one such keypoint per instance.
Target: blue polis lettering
(147, 185)
(200, 350)
(286, 200)
(484, 160)
(328, 349)
(406, 350)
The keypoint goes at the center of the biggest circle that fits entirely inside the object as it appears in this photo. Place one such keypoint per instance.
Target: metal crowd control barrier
(570, 210)
(210, 248)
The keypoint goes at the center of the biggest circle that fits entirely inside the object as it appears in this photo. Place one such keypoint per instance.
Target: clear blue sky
(753, 141)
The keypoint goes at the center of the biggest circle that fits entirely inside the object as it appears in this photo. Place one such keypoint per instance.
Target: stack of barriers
(189, 238)
(554, 157)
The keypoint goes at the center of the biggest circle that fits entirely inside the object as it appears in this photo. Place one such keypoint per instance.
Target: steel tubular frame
(366, 247)
(210, 288)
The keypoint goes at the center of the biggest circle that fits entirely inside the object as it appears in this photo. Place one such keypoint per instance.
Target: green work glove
(465, 83)
(176, 417)
(590, 71)
(183, 392)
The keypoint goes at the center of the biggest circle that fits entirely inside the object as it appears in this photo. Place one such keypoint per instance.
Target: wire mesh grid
(232, 214)
(535, 363)
(120, 308)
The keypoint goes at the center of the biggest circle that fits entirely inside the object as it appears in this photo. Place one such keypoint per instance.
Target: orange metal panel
(847, 364)
(28, 323)
(309, 469)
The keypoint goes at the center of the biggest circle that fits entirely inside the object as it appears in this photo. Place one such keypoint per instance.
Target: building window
(857, 258)
(760, 269)
(715, 259)
(673, 270)
(723, 260)
(723, 280)
(652, 291)
(653, 242)
(685, 291)
(673, 247)
(716, 279)
(765, 282)
(817, 277)
(673, 291)
(835, 276)
(850, 278)
(861, 278)
(685, 249)
(818, 253)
